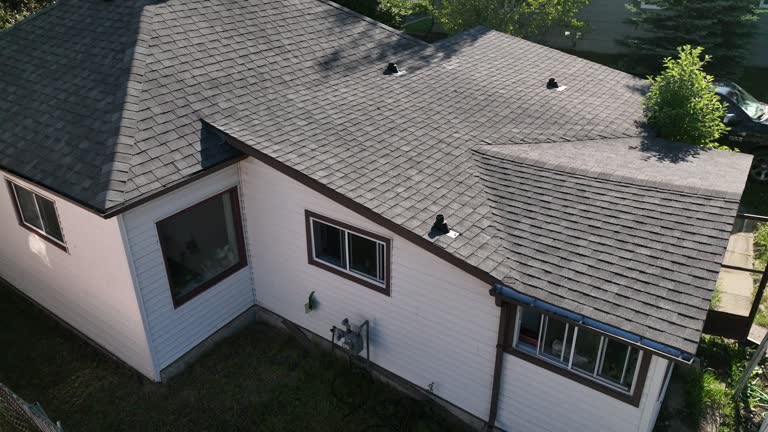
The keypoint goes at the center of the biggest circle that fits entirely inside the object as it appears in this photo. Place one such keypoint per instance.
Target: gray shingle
(642, 258)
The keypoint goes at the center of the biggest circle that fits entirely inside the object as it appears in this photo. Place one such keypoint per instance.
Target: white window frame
(28, 225)
(595, 375)
(763, 4)
(381, 254)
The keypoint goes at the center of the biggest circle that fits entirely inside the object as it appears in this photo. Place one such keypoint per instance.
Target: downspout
(501, 338)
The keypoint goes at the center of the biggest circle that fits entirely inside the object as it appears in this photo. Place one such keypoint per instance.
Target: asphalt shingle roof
(302, 82)
(66, 80)
(630, 232)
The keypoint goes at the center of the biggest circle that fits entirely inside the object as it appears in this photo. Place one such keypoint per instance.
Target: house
(607, 21)
(172, 165)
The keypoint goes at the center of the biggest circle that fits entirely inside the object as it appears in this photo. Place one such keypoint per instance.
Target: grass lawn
(258, 379)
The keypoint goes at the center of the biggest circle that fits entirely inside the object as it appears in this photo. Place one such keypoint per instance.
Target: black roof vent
(392, 69)
(552, 84)
(440, 226)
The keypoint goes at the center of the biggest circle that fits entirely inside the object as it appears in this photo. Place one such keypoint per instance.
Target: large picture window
(349, 252)
(202, 245)
(38, 214)
(601, 359)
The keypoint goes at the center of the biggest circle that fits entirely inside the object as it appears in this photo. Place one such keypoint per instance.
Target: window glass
(619, 362)
(361, 256)
(615, 356)
(586, 351)
(364, 256)
(604, 360)
(49, 217)
(28, 208)
(530, 321)
(557, 340)
(329, 243)
(753, 107)
(201, 243)
(629, 375)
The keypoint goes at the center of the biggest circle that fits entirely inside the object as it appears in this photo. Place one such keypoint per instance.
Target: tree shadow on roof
(659, 149)
(391, 46)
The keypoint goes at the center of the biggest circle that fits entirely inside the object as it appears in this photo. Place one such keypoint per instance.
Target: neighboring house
(607, 20)
(171, 165)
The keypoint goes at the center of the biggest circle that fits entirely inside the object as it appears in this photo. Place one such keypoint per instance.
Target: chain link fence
(19, 416)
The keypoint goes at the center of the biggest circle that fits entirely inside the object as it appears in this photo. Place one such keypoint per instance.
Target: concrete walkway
(736, 286)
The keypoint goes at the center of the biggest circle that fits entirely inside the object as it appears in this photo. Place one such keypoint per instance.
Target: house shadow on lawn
(259, 379)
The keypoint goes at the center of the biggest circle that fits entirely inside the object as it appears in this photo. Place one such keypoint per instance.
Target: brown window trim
(632, 399)
(308, 215)
(242, 262)
(20, 219)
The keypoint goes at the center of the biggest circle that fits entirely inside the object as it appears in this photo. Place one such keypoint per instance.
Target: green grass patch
(717, 297)
(258, 379)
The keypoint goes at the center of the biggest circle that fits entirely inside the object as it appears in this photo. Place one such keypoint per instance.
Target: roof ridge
(372, 21)
(128, 123)
(604, 177)
(566, 53)
(564, 140)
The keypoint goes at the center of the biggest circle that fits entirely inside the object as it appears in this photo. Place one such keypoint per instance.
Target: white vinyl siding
(89, 286)
(439, 325)
(174, 331)
(535, 399)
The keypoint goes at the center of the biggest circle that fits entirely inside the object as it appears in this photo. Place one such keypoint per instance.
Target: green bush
(761, 245)
(682, 104)
(394, 12)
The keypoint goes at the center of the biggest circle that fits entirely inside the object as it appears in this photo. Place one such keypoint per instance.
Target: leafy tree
(523, 18)
(394, 12)
(13, 11)
(682, 104)
(723, 27)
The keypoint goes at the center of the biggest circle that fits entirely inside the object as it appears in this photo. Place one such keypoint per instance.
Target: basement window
(37, 214)
(202, 245)
(349, 252)
(601, 359)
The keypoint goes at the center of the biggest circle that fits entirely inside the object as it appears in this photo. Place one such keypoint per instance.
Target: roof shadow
(213, 147)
